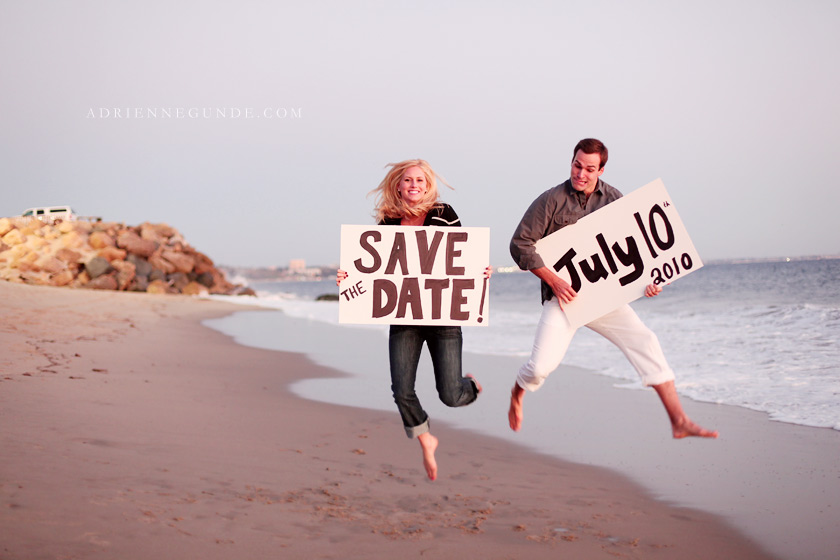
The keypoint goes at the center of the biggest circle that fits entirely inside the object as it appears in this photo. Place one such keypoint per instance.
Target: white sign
(609, 256)
(401, 275)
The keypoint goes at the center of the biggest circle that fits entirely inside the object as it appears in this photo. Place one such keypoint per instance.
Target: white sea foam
(758, 342)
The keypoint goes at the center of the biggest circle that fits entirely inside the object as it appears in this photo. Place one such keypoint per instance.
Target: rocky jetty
(150, 258)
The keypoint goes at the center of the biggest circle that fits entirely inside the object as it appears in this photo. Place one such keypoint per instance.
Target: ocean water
(759, 335)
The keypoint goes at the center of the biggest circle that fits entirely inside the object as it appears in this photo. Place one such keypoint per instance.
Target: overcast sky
(734, 104)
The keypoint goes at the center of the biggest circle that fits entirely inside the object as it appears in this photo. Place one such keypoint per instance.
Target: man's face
(586, 168)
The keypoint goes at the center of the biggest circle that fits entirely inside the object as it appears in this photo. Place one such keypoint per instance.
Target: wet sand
(129, 430)
(774, 481)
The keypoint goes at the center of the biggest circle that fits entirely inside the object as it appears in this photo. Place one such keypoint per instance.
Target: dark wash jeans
(404, 345)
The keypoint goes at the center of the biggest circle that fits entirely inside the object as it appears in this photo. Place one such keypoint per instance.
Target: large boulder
(182, 262)
(112, 254)
(5, 226)
(67, 227)
(13, 255)
(62, 278)
(14, 237)
(195, 289)
(104, 282)
(68, 255)
(51, 264)
(141, 265)
(81, 279)
(100, 240)
(202, 263)
(27, 257)
(97, 266)
(10, 275)
(139, 284)
(35, 244)
(205, 279)
(126, 273)
(178, 281)
(136, 245)
(158, 287)
(157, 274)
(35, 277)
(159, 233)
(82, 227)
(159, 263)
(72, 240)
(25, 265)
(240, 291)
(31, 227)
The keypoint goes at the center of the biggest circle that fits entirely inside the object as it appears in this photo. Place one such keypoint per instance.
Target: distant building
(298, 271)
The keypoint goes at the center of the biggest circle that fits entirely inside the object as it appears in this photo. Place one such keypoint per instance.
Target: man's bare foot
(681, 425)
(689, 429)
(515, 410)
(429, 443)
(474, 380)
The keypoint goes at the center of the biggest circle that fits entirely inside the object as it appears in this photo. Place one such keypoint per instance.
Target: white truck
(50, 214)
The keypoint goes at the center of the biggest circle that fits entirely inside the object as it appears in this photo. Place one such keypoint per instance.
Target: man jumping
(583, 193)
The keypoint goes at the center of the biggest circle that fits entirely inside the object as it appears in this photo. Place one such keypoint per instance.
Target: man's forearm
(544, 273)
(561, 289)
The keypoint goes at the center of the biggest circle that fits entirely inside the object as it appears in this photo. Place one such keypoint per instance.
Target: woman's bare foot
(429, 443)
(515, 410)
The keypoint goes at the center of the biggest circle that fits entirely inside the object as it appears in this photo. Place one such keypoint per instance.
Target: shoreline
(130, 430)
(765, 477)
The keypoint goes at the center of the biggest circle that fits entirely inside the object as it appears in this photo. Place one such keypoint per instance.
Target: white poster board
(400, 275)
(611, 255)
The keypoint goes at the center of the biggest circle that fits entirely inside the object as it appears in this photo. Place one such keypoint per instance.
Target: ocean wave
(752, 345)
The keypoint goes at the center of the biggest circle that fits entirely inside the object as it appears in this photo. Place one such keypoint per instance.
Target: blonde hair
(389, 204)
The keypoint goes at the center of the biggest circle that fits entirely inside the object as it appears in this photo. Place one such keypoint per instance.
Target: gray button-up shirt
(554, 209)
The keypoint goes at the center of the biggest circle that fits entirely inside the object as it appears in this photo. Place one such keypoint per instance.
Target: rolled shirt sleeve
(533, 227)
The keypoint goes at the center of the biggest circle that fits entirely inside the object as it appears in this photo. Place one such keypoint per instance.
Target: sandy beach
(130, 430)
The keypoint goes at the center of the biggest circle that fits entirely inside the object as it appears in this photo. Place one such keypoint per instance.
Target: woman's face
(413, 187)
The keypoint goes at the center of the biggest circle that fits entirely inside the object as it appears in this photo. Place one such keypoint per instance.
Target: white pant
(622, 327)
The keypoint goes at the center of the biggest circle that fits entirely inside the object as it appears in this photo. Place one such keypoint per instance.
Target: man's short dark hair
(592, 146)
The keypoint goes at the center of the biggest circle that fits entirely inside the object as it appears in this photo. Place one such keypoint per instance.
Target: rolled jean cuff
(476, 390)
(414, 431)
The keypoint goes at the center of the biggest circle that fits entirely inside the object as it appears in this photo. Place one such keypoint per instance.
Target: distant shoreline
(324, 272)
